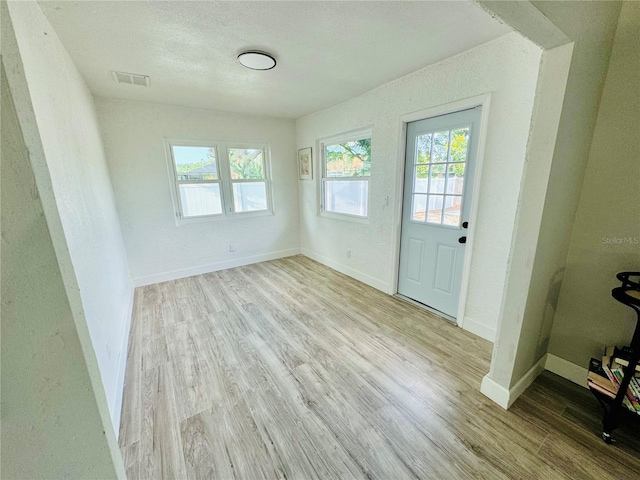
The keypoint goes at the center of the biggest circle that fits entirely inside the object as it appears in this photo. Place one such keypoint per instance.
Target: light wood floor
(288, 369)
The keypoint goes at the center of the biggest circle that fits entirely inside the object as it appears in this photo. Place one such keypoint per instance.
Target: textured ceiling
(327, 52)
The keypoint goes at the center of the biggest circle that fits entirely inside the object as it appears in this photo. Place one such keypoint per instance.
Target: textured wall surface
(51, 427)
(591, 26)
(506, 67)
(134, 134)
(606, 234)
(76, 165)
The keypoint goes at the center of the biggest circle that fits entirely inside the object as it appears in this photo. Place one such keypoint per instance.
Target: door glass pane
(440, 147)
(249, 196)
(434, 209)
(200, 199)
(459, 144)
(452, 206)
(346, 196)
(246, 163)
(421, 179)
(455, 179)
(419, 208)
(436, 179)
(195, 163)
(423, 148)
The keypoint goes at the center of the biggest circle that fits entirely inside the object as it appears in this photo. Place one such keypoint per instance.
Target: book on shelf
(629, 400)
(605, 380)
(597, 376)
(613, 356)
(634, 387)
(598, 388)
(620, 358)
(602, 382)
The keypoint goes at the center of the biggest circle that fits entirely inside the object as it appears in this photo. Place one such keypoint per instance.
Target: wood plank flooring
(288, 369)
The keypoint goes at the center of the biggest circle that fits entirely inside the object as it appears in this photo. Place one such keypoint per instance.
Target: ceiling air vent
(130, 78)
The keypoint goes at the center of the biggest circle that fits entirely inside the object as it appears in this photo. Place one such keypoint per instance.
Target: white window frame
(224, 180)
(333, 140)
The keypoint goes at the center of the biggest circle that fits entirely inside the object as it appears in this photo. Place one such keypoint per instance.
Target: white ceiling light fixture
(256, 60)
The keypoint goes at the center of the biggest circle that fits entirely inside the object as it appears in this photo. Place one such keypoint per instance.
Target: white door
(439, 168)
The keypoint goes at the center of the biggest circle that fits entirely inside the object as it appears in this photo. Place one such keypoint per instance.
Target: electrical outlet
(232, 248)
(348, 253)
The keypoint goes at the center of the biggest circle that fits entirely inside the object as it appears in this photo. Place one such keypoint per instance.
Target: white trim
(212, 267)
(564, 368)
(352, 135)
(495, 392)
(473, 214)
(464, 104)
(122, 364)
(505, 398)
(353, 273)
(477, 328)
(528, 378)
(345, 216)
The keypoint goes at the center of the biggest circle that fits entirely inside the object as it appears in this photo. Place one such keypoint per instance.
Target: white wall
(80, 193)
(158, 250)
(591, 27)
(507, 68)
(587, 317)
(51, 426)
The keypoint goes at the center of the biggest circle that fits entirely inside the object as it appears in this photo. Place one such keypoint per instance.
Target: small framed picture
(305, 164)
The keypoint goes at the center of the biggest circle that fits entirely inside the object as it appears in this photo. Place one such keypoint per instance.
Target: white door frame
(479, 100)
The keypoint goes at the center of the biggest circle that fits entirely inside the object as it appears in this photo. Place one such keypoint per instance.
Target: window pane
(436, 179)
(455, 180)
(423, 148)
(421, 179)
(434, 209)
(419, 208)
(200, 199)
(346, 197)
(195, 163)
(250, 196)
(459, 143)
(452, 207)
(440, 147)
(348, 159)
(246, 163)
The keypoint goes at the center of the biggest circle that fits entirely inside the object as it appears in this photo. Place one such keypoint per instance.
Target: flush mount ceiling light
(257, 60)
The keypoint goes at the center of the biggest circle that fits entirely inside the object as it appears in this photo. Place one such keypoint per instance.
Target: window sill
(345, 217)
(180, 222)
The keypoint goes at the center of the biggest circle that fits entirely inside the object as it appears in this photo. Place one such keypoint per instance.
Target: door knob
(462, 240)
(465, 224)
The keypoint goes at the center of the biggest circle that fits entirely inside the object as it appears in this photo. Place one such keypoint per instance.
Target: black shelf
(614, 410)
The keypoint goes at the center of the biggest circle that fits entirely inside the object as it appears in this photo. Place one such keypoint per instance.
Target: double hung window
(217, 180)
(346, 168)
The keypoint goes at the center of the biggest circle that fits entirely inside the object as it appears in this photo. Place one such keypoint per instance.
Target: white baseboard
(212, 267)
(122, 365)
(504, 397)
(566, 369)
(477, 328)
(352, 272)
(495, 392)
(528, 378)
